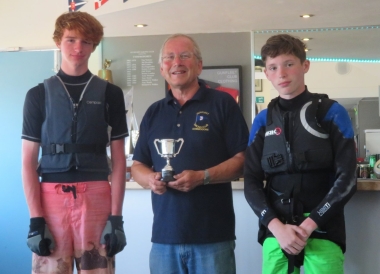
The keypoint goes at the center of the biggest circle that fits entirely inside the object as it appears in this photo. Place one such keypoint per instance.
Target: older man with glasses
(194, 221)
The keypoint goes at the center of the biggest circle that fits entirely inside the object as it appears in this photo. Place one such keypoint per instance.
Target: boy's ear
(265, 72)
(306, 65)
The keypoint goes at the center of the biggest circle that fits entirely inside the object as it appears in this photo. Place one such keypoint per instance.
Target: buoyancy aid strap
(297, 218)
(73, 148)
(269, 111)
(323, 105)
(290, 211)
(286, 203)
(294, 260)
(297, 210)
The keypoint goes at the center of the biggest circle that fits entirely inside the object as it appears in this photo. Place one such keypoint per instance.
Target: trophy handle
(155, 144)
(182, 141)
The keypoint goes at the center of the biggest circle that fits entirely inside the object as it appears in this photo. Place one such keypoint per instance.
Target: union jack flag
(99, 3)
(75, 5)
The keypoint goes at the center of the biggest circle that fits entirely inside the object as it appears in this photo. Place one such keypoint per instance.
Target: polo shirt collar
(198, 96)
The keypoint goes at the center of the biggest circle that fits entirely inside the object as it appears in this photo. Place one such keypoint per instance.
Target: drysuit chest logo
(276, 131)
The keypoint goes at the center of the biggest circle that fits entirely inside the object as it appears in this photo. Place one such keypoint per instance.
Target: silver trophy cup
(168, 150)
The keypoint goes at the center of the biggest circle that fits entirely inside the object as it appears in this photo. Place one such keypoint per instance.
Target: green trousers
(321, 257)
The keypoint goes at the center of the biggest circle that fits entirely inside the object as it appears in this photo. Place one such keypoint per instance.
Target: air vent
(343, 68)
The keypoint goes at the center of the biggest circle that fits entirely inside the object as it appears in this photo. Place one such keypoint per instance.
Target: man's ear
(200, 67)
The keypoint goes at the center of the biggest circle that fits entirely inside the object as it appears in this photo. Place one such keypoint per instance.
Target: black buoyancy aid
(295, 144)
(74, 135)
(307, 145)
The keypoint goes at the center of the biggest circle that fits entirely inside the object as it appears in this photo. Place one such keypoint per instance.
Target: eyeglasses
(183, 56)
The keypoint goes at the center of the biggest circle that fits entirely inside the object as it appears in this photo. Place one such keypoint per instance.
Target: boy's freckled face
(75, 51)
(287, 74)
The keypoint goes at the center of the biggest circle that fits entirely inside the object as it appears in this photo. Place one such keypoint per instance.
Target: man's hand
(187, 180)
(155, 183)
(291, 238)
(113, 236)
(40, 240)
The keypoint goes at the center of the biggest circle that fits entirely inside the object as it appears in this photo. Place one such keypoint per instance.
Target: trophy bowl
(168, 151)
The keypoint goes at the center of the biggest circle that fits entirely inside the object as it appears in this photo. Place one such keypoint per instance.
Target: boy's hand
(40, 240)
(113, 236)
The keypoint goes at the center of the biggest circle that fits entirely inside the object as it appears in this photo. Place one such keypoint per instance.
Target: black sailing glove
(40, 240)
(113, 235)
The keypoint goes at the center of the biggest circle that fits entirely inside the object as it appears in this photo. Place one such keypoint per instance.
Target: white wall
(361, 80)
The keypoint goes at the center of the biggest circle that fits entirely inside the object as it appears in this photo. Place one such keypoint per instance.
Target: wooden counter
(369, 184)
(363, 185)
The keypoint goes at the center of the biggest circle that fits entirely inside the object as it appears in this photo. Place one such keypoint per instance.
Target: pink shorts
(76, 224)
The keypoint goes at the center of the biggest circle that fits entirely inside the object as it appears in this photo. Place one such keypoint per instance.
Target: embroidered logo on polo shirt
(201, 121)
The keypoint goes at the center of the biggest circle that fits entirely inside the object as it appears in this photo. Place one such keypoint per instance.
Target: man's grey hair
(197, 51)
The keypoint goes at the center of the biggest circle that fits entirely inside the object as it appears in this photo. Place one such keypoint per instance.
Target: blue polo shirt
(213, 129)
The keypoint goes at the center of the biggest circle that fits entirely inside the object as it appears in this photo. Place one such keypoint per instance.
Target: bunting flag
(75, 5)
(99, 3)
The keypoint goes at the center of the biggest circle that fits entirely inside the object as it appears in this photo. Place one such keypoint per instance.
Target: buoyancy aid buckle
(73, 148)
(57, 148)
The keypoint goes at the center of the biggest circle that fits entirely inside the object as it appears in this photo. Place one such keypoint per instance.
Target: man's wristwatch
(206, 179)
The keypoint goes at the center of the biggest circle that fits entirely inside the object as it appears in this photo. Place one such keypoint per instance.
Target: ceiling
(212, 16)
(26, 26)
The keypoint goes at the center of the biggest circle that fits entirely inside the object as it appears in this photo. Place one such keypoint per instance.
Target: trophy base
(167, 176)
